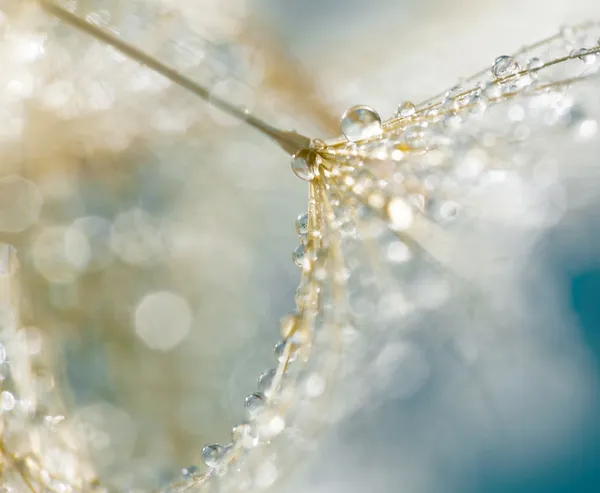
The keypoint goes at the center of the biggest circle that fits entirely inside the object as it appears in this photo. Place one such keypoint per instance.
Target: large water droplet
(360, 123)
(504, 66)
(305, 164)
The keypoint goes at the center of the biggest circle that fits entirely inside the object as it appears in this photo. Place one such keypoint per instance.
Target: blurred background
(155, 236)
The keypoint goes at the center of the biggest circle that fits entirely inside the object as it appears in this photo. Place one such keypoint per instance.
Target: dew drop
(299, 256)
(504, 66)
(360, 123)
(302, 224)
(254, 404)
(585, 56)
(535, 64)
(212, 454)
(279, 351)
(265, 381)
(406, 109)
(305, 164)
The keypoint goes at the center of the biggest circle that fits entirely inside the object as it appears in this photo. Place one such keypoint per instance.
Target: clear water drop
(302, 224)
(212, 454)
(535, 64)
(360, 123)
(299, 256)
(254, 404)
(305, 164)
(504, 66)
(585, 56)
(406, 109)
(265, 381)
(279, 351)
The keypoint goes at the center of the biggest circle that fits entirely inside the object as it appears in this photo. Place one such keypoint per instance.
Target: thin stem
(290, 141)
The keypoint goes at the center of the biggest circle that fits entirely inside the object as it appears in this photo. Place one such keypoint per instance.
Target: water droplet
(254, 404)
(360, 123)
(299, 256)
(505, 66)
(279, 351)
(212, 454)
(406, 109)
(265, 381)
(305, 164)
(585, 56)
(302, 224)
(535, 64)
(400, 213)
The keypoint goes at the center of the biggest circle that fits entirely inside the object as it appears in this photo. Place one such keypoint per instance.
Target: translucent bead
(212, 454)
(254, 404)
(406, 109)
(279, 351)
(305, 164)
(535, 64)
(265, 381)
(505, 66)
(360, 123)
(585, 56)
(299, 256)
(302, 224)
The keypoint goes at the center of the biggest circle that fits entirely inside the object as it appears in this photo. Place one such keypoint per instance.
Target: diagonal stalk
(290, 141)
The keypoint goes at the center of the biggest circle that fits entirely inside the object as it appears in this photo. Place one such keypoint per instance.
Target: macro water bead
(360, 123)
(305, 164)
(505, 66)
